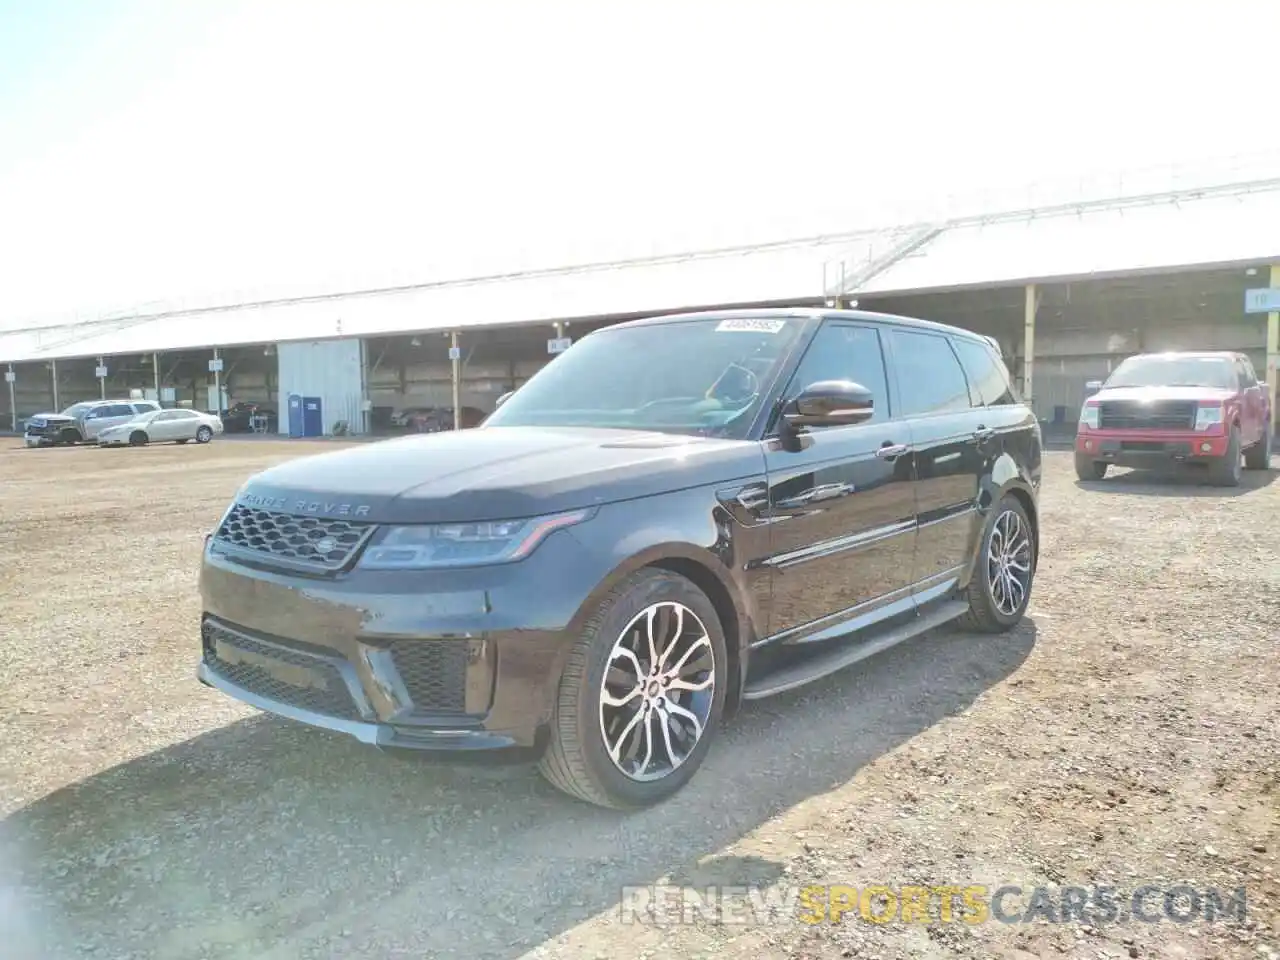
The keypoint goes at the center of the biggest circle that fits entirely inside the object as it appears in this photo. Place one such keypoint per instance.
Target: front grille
(1157, 415)
(434, 672)
(290, 677)
(324, 542)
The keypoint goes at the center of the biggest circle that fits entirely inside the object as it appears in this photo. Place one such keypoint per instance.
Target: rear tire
(650, 740)
(204, 435)
(1089, 469)
(138, 439)
(1226, 471)
(1004, 570)
(1258, 457)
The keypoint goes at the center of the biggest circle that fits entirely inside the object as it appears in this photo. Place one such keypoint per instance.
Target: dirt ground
(1128, 734)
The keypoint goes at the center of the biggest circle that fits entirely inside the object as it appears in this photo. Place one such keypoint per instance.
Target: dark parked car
(239, 417)
(677, 515)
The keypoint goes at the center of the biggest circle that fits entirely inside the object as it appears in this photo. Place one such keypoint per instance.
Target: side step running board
(816, 667)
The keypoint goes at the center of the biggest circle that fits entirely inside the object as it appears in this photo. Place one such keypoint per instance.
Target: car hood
(51, 418)
(1163, 393)
(496, 473)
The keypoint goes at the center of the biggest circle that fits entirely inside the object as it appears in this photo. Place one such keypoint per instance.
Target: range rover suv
(674, 516)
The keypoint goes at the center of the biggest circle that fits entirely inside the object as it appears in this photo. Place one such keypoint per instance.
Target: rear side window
(988, 378)
(145, 407)
(117, 410)
(844, 351)
(930, 378)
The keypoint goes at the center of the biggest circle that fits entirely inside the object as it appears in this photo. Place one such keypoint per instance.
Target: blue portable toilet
(312, 421)
(295, 416)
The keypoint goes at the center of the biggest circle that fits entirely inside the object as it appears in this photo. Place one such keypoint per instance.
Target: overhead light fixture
(415, 342)
(1251, 272)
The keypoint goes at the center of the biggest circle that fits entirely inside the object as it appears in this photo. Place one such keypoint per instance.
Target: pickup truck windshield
(699, 377)
(76, 409)
(1215, 372)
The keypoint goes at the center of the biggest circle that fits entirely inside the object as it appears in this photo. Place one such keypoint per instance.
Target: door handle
(891, 451)
(983, 434)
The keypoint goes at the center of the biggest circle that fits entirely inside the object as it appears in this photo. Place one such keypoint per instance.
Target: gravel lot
(1128, 733)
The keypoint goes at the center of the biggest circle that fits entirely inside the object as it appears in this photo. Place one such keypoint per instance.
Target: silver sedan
(162, 426)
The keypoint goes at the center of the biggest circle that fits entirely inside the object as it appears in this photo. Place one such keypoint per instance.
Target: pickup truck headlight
(1207, 417)
(463, 544)
(1089, 416)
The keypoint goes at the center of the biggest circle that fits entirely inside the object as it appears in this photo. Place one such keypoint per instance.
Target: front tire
(641, 695)
(138, 439)
(1090, 469)
(1258, 457)
(1226, 472)
(1004, 571)
(69, 437)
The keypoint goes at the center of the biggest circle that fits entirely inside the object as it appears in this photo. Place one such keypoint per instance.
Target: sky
(155, 152)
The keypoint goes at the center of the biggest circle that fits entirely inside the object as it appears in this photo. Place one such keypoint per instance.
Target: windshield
(1216, 372)
(76, 409)
(705, 377)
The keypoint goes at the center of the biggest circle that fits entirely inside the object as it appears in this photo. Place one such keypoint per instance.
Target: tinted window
(181, 415)
(930, 378)
(704, 377)
(988, 378)
(115, 410)
(145, 407)
(840, 351)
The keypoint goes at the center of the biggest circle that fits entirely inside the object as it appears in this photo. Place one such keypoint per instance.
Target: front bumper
(446, 661)
(1137, 448)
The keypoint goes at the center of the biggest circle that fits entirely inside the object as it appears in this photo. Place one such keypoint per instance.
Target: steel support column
(13, 399)
(217, 381)
(455, 361)
(155, 373)
(1029, 344)
(1273, 343)
(53, 374)
(102, 382)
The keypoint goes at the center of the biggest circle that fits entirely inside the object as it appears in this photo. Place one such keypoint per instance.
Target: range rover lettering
(673, 517)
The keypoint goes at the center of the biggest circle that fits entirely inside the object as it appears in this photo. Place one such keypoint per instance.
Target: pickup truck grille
(326, 543)
(1155, 415)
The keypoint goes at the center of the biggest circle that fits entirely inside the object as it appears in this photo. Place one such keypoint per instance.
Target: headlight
(1089, 415)
(1207, 417)
(463, 544)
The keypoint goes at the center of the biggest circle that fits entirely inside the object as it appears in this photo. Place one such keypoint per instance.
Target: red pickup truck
(1161, 409)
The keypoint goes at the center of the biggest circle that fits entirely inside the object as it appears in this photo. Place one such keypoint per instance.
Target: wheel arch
(704, 570)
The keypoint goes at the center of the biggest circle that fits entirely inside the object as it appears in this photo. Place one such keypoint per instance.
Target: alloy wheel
(1009, 563)
(657, 692)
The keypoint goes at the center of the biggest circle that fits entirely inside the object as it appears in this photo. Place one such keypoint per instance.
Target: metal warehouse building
(1067, 291)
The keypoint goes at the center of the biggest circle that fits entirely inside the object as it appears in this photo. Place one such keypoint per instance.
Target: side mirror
(829, 403)
(503, 399)
(1091, 387)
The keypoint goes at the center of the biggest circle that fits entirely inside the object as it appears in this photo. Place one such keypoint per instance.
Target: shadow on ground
(1186, 482)
(266, 839)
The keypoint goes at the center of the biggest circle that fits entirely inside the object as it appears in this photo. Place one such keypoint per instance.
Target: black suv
(674, 516)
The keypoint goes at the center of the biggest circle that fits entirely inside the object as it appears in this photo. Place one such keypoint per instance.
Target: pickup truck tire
(651, 610)
(1258, 457)
(1089, 469)
(1226, 471)
(1003, 572)
(70, 435)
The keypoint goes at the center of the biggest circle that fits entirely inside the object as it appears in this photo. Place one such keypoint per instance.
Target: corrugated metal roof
(1221, 230)
(795, 271)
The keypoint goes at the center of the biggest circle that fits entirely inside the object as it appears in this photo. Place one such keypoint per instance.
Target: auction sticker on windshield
(751, 325)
